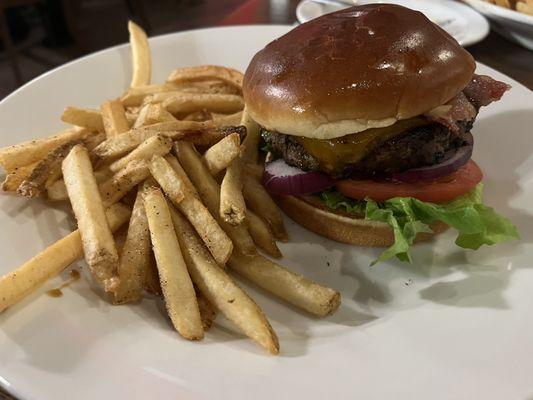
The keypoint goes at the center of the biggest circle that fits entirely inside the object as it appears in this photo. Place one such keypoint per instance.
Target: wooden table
(495, 51)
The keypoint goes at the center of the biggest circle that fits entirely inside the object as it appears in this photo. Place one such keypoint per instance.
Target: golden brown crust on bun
(362, 67)
(343, 228)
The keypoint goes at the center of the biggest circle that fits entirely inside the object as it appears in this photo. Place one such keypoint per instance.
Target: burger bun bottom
(343, 228)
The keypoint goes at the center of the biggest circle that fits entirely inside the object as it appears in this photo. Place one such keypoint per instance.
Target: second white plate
(515, 26)
(463, 23)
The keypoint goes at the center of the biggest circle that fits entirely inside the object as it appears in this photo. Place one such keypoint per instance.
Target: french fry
(141, 57)
(102, 174)
(287, 285)
(220, 120)
(135, 256)
(262, 235)
(135, 95)
(221, 154)
(124, 143)
(216, 240)
(526, 8)
(33, 185)
(200, 115)
(503, 3)
(16, 176)
(155, 145)
(54, 175)
(189, 102)
(131, 115)
(51, 261)
(256, 170)
(232, 205)
(116, 187)
(213, 136)
(151, 280)
(120, 238)
(176, 166)
(152, 114)
(207, 72)
(84, 117)
(260, 202)
(209, 191)
(221, 290)
(56, 191)
(168, 179)
(114, 117)
(29, 152)
(178, 291)
(192, 89)
(98, 244)
(208, 313)
(48, 169)
(160, 97)
(251, 142)
(214, 86)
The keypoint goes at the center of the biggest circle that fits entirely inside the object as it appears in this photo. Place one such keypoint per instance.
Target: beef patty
(417, 147)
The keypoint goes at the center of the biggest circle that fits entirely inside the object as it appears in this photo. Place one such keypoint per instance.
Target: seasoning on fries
(178, 291)
(114, 118)
(98, 244)
(232, 206)
(151, 161)
(84, 117)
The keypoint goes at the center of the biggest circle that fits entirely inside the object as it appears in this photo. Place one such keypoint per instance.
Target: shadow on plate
(446, 274)
(505, 151)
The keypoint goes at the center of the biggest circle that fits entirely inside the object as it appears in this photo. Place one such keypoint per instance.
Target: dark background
(48, 33)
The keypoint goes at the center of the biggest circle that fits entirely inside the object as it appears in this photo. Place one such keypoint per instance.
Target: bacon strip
(483, 90)
(449, 114)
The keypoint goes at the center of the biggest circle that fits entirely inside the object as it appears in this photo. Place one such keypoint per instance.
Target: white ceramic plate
(455, 324)
(464, 24)
(512, 24)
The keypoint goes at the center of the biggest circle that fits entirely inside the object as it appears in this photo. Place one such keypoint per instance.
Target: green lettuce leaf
(475, 223)
(336, 200)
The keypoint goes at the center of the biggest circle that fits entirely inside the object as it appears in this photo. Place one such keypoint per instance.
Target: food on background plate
(523, 6)
(151, 163)
(366, 114)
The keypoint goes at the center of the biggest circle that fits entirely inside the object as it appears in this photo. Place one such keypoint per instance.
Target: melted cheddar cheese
(334, 154)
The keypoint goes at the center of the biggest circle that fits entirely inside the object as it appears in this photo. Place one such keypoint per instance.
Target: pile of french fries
(165, 186)
(523, 6)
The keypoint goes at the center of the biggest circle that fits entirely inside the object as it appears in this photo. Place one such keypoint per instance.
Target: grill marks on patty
(417, 147)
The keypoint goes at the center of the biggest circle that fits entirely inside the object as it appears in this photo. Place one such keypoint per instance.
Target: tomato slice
(440, 190)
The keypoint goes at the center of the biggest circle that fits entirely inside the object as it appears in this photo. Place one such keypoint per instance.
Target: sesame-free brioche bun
(358, 68)
(341, 227)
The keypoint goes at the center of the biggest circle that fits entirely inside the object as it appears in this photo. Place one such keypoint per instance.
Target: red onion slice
(281, 178)
(447, 167)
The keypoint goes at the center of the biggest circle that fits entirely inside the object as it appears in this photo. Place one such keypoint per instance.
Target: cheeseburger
(366, 116)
